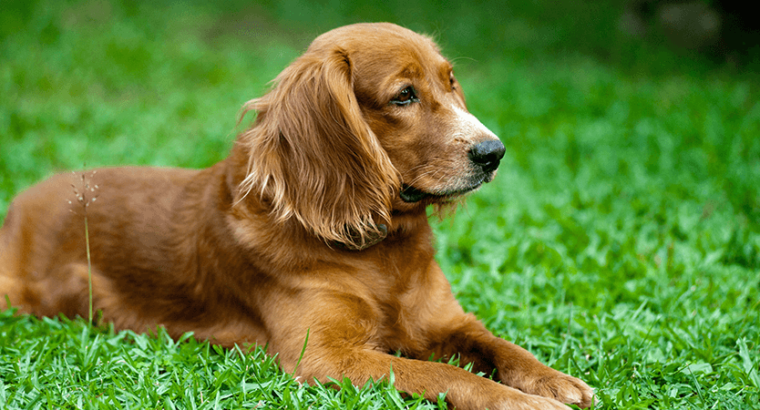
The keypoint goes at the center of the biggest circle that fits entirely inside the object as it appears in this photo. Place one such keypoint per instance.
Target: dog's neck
(369, 240)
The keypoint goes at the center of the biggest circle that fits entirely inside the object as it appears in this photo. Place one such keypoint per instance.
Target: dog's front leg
(337, 336)
(464, 390)
(513, 365)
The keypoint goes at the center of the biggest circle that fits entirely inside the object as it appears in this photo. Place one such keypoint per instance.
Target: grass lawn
(619, 243)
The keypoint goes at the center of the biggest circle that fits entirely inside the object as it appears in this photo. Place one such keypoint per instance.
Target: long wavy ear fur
(314, 158)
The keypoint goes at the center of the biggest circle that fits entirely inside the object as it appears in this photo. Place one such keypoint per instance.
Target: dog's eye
(452, 81)
(406, 96)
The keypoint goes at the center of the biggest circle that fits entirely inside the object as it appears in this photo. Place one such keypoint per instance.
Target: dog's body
(314, 224)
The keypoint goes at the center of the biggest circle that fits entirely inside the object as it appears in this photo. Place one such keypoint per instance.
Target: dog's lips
(411, 194)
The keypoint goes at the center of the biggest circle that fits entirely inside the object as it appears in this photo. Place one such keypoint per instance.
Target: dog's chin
(411, 194)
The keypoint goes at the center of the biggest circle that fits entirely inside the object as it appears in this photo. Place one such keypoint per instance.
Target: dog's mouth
(411, 194)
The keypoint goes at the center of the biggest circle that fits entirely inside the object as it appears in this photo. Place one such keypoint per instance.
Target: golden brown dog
(315, 223)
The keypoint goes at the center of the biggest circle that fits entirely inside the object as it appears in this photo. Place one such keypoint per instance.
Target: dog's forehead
(370, 45)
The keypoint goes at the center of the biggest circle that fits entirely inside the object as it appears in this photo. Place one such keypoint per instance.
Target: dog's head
(369, 121)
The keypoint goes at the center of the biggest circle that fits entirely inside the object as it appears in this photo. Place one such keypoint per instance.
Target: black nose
(487, 154)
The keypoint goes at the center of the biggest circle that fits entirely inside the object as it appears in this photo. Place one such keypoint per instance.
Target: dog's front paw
(562, 387)
(513, 399)
(535, 403)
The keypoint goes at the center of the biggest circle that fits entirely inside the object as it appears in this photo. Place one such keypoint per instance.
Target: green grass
(620, 241)
(59, 363)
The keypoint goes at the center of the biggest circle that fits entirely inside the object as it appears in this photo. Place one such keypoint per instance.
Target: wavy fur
(313, 156)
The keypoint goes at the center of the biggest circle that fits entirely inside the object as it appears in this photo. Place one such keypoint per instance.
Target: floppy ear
(314, 158)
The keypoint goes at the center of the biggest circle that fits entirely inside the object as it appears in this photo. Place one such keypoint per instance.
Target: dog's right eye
(406, 96)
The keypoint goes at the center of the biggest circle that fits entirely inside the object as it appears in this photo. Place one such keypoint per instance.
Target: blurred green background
(621, 238)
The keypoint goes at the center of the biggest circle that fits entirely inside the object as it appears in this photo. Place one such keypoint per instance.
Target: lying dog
(315, 224)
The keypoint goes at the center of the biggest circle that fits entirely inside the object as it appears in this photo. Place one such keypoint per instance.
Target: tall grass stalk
(89, 266)
(85, 201)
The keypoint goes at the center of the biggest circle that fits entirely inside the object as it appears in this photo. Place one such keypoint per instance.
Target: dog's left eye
(406, 96)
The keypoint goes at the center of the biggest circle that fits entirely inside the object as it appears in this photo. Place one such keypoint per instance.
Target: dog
(311, 236)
